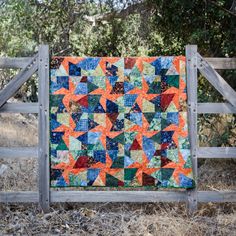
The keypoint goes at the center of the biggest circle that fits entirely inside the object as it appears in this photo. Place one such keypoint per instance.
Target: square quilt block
(119, 122)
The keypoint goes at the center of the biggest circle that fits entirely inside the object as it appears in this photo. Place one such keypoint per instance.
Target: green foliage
(157, 28)
(217, 130)
(196, 22)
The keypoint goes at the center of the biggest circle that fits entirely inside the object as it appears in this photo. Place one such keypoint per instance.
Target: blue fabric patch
(166, 62)
(128, 87)
(136, 118)
(63, 81)
(82, 125)
(111, 107)
(54, 123)
(56, 137)
(148, 147)
(185, 153)
(157, 65)
(149, 78)
(74, 70)
(99, 156)
(111, 69)
(111, 144)
(83, 138)
(93, 137)
(99, 109)
(173, 118)
(61, 182)
(89, 63)
(185, 182)
(92, 174)
(81, 88)
(113, 154)
(113, 80)
(166, 136)
(76, 117)
(130, 99)
(128, 161)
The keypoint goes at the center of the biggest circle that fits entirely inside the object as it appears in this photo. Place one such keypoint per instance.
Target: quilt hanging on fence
(119, 122)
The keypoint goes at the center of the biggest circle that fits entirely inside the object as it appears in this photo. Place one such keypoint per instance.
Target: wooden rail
(19, 107)
(18, 152)
(119, 196)
(45, 195)
(216, 152)
(217, 63)
(215, 108)
(14, 62)
(222, 63)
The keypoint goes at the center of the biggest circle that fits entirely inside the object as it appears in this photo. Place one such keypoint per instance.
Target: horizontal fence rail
(21, 62)
(222, 63)
(18, 152)
(216, 108)
(217, 152)
(19, 196)
(14, 62)
(19, 107)
(216, 196)
(119, 196)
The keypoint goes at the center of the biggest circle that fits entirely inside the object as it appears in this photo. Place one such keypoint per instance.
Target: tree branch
(222, 8)
(121, 14)
(233, 6)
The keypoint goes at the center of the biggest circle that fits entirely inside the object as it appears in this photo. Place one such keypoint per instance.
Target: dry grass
(18, 130)
(217, 175)
(107, 219)
(119, 219)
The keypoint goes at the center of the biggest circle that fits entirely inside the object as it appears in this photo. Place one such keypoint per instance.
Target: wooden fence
(40, 63)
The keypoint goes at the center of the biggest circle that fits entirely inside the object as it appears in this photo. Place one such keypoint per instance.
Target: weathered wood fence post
(191, 66)
(43, 128)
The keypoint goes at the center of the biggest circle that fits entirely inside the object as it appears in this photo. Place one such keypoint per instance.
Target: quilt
(119, 122)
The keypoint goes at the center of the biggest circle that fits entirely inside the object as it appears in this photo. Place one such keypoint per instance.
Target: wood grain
(14, 62)
(215, 108)
(43, 128)
(222, 63)
(191, 67)
(19, 107)
(119, 196)
(217, 152)
(18, 152)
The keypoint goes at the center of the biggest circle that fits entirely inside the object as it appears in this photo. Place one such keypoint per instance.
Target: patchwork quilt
(119, 122)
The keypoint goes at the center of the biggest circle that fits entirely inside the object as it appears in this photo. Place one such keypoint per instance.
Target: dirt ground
(107, 219)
